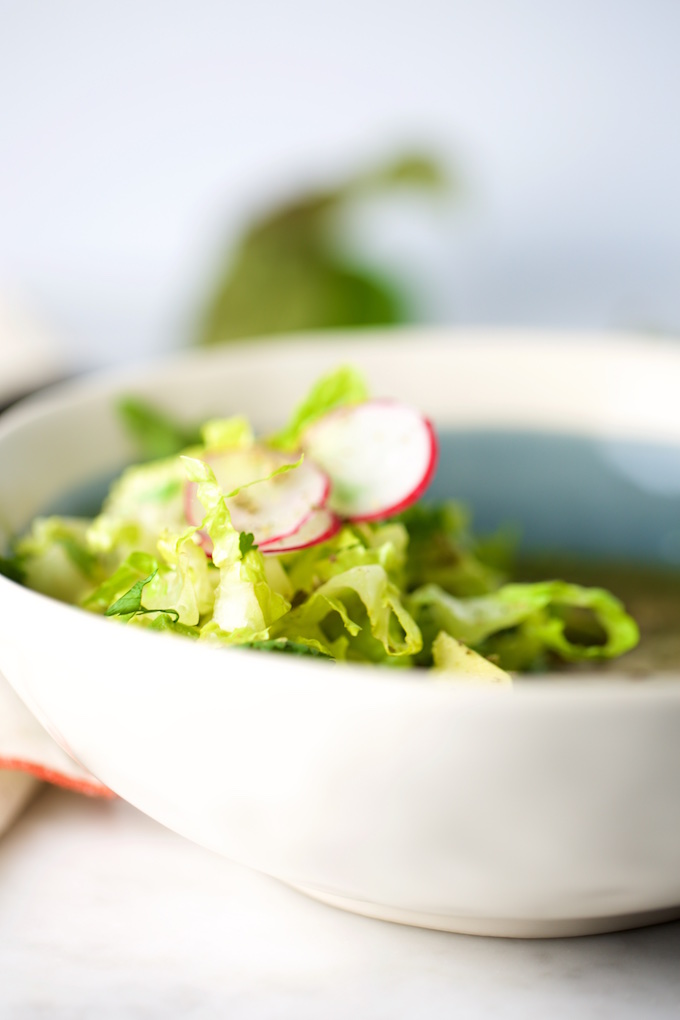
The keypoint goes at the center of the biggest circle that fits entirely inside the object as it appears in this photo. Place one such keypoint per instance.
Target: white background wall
(136, 135)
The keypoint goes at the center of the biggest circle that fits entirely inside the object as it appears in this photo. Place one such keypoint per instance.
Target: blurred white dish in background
(28, 356)
(552, 810)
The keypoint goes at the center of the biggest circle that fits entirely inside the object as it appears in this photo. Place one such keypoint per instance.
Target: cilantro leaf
(288, 647)
(131, 602)
(246, 542)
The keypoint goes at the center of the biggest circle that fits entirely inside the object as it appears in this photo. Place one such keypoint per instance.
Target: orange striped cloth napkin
(29, 757)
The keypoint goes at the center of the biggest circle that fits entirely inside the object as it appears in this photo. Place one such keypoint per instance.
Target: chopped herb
(131, 602)
(288, 647)
(246, 542)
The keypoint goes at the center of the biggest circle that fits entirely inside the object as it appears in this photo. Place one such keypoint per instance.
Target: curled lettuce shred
(519, 625)
(363, 601)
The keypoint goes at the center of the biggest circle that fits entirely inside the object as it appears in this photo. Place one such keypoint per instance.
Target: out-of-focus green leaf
(55, 559)
(155, 432)
(337, 389)
(287, 273)
(12, 569)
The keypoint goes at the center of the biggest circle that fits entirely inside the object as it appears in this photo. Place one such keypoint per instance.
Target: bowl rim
(655, 688)
(50, 398)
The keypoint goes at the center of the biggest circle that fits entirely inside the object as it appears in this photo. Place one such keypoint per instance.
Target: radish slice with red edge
(270, 509)
(321, 526)
(380, 456)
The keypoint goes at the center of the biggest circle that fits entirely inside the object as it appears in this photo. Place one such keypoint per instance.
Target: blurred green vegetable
(156, 433)
(287, 273)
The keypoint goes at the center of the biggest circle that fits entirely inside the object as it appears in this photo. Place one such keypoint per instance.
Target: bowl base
(514, 928)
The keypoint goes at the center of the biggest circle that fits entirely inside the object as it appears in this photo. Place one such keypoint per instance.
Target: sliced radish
(321, 526)
(270, 509)
(380, 457)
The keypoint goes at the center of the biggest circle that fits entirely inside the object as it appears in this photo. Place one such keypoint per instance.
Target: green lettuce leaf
(144, 502)
(382, 544)
(138, 566)
(518, 624)
(442, 551)
(455, 659)
(362, 608)
(244, 599)
(181, 582)
(56, 559)
(337, 389)
(219, 433)
(186, 580)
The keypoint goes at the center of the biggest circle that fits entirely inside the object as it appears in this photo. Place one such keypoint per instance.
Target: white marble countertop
(104, 913)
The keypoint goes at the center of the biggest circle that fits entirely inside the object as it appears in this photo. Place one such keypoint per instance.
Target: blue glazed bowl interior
(610, 499)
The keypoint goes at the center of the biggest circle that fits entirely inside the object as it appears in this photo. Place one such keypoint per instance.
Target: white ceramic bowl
(552, 810)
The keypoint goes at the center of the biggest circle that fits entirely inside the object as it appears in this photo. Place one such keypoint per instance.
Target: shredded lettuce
(417, 590)
(142, 503)
(227, 432)
(54, 558)
(452, 658)
(519, 625)
(135, 568)
(244, 600)
(443, 551)
(357, 545)
(361, 606)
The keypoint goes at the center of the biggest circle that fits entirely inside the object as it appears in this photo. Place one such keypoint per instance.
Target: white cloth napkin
(28, 755)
